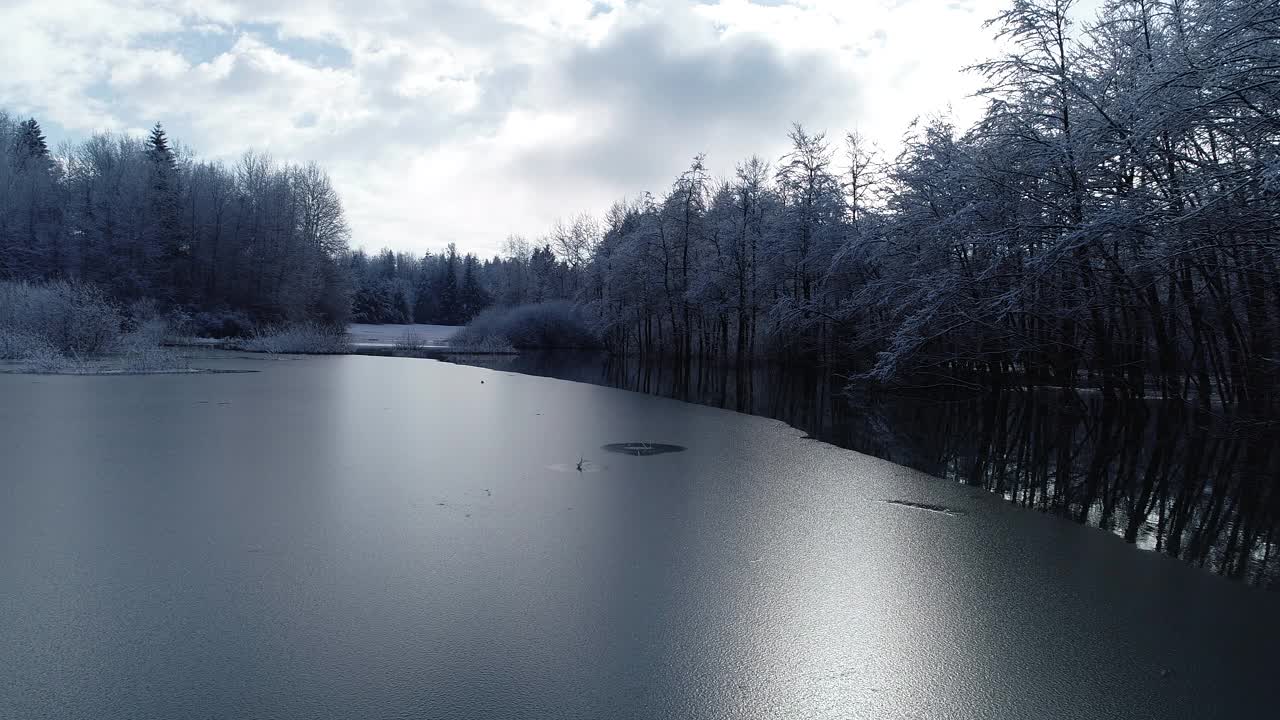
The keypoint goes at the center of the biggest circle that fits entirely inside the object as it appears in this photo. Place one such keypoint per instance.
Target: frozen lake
(1203, 487)
(359, 537)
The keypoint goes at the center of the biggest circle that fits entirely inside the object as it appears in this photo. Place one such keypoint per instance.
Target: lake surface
(358, 537)
(1202, 487)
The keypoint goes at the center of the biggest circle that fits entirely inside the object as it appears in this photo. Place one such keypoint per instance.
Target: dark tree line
(450, 289)
(144, 219)
(442, 289)
(1112, 219)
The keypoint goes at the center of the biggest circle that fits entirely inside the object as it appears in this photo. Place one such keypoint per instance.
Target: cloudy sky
(468, 120)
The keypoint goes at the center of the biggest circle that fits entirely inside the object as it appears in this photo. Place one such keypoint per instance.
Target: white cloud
(453, 120)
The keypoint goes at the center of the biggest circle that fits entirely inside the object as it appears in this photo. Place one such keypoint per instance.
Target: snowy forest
(143, 219)
(1110, 220)
(237, 245)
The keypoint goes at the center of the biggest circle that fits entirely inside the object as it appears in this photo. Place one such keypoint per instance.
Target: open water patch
(642, 449)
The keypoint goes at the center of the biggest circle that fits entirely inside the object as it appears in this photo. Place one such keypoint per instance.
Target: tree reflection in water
(1196, 485)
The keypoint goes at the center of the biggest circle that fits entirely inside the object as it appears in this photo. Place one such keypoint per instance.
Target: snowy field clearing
(361, 334)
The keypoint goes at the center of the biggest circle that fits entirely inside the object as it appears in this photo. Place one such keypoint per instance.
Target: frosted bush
(62, 327)
(410, 340)
(303, 338)
(556, 324)
(150, 358)
(15, 344)
(74, 319)
(488, 344)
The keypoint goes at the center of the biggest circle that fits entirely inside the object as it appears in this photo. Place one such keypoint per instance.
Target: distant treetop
(158, 145)
(31, 141)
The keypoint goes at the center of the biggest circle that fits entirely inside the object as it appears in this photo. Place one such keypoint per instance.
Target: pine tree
(474, 298)
(450, 302)
(164, 241)
(158, 147)
(29, 214)
(31, 142)
(425, 307)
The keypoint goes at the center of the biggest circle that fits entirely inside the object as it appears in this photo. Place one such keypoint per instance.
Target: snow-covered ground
(389, 335)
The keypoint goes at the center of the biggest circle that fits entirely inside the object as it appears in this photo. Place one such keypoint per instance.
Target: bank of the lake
(335, 537)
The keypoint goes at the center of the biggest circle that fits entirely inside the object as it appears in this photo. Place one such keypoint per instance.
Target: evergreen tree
(543, 267)
(30, 212)
(31, 141)
(158, 147)
(450, 301)
(164, 245)
(426, 305)
(473, 296)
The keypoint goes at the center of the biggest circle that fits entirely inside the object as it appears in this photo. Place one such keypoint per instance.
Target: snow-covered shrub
(556, 324)
(490, 344)
(18, 344)
(71, 318)
(220, 324)
(141, 355)
(303, 338)
(410, 341)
